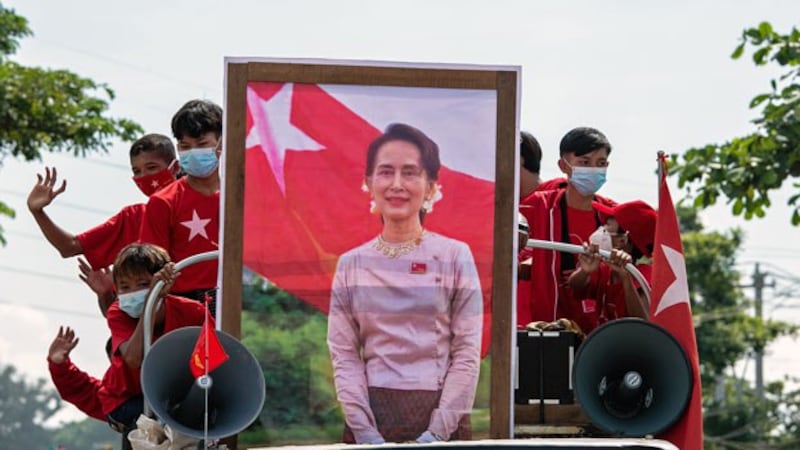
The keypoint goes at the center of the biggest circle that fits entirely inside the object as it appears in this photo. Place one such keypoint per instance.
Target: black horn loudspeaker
(632, 378)
(235, 396)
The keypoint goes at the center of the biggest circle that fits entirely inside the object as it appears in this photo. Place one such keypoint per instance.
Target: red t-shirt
(603, 300)
(122, 382)
(184, 222)
(78, 388)
(102, 243)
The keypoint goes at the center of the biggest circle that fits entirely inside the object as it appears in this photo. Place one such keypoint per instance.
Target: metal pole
(153, 302)
(572, 248)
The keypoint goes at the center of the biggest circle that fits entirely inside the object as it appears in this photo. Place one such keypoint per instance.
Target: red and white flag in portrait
(670, 308)
(305, 162)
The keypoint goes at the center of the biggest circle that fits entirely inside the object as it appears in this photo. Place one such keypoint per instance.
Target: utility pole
(759, 283)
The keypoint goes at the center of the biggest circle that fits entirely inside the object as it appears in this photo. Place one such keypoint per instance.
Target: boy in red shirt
(564, 215)
(183, 218)
(154, 166)
(608, 285)
(136, 270)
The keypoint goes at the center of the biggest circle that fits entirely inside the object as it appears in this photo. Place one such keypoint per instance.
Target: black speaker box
(544, 362)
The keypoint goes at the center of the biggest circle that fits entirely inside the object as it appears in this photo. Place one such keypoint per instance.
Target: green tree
(50, 110)
(747, 168)
(87, 433)
(287, 337)
(24, 407)
(726, 334)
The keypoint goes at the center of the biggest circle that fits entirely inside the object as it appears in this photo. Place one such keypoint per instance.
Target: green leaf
(737, 207)
(765, 28)
(758, 99)
(737, 53)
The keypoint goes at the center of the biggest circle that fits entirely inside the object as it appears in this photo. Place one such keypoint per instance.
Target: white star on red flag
(678, 291)
(273, 131)
(196, 226)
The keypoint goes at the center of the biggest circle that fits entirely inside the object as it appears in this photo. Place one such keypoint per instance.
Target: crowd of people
(406, 310)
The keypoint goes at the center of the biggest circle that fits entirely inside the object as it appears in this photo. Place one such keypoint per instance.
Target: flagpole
(661, 159)
(205, 369)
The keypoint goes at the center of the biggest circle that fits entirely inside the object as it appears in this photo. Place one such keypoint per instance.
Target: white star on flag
(678, 291)
(196, 225)
(274, 132)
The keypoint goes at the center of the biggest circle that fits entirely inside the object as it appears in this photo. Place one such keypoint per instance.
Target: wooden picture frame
(502, 81)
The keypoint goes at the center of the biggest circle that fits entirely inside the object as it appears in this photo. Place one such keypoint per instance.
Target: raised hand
(99, 281)
(62, 344)
(44, 191)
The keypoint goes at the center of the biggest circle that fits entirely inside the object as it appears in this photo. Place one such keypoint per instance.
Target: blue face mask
(198, 162)
(588, 180)
(132, 303)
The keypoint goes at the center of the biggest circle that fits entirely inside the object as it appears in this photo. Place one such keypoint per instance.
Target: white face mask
(602, 238)
(132, 303)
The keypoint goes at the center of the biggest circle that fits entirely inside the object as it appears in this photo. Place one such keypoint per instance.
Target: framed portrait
(367, 250)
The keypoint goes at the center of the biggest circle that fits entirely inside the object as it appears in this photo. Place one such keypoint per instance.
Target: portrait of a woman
(405, 320)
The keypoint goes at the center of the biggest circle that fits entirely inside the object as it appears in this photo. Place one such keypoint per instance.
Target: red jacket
(77, 387)
(550, 298)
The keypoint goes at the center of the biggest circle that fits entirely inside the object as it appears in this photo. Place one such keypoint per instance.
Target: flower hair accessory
(437, 195)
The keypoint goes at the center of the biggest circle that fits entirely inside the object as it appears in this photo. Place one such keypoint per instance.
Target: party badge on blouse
(418, 268)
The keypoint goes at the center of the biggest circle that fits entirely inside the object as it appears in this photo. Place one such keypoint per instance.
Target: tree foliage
(88, 433)
(746, 169)
(726, 333)
(288, 338)
(24, 407)
(50, 110)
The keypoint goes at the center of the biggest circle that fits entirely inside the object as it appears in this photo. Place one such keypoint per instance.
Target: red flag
(670, 308)
(304, 207)
(207, 349)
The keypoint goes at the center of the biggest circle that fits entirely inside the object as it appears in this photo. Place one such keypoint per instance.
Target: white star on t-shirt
(678, 291)
(196, 225)
(274, 132)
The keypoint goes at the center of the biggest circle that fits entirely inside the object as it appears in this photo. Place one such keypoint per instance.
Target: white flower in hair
(437, 195)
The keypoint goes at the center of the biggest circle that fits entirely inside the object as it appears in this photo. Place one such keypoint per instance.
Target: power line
(128, 65)
(60, 203)
(34, 273)
(48, 309)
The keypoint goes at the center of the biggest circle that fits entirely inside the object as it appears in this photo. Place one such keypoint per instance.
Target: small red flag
(208, 350)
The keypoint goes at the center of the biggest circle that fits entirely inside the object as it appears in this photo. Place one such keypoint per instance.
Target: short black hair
(428, 150)
(156, 143)
(583, 140)
(196, 118)
(531, 152)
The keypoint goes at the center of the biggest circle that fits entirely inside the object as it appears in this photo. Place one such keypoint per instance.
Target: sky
(650, 75)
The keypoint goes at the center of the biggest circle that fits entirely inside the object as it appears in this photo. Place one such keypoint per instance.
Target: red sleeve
(121, 326)
(156, 223)
(183, 312)
(78, 388)
(102, 243)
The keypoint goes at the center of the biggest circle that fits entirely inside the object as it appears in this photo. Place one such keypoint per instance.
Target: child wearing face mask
(154, 166)
(137, 268)
(564, 215)
(184, 217)
(606, 285)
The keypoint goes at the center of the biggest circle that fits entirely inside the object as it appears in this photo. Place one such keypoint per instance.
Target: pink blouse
(412, 322)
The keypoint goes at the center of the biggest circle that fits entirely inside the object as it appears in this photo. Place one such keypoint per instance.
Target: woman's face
(399, 183)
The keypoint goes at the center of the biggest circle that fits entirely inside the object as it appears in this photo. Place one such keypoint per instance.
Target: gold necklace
(397, 250)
